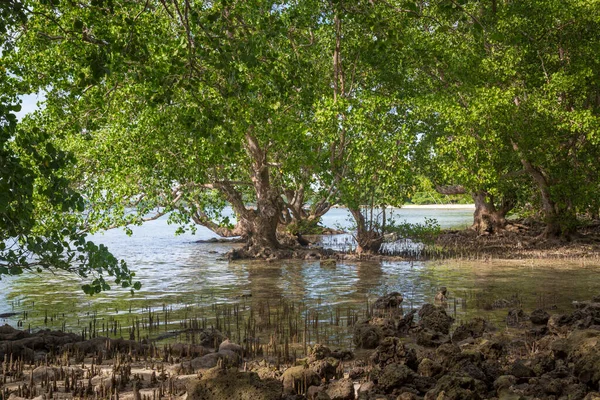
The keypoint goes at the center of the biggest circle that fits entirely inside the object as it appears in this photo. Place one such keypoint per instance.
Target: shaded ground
(519, 241)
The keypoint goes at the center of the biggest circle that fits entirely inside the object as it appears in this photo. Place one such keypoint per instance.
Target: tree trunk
(560, 221)
(258, 226)
(488, 219)
(367, 240)
(262, 222)
(296, 217)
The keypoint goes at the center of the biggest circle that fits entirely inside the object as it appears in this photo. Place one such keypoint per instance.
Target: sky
(28, 104)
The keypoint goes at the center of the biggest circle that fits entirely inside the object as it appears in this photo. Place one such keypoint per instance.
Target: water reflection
(183, 279)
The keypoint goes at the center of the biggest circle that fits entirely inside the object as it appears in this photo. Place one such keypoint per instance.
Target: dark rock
(210, 337)
(520, 370)
(492, 348)
(392, 351)
(319, 352)
(435, 318)
(342, 389)
(560, 348)
(538, 331)
(422, 384)
(469, 368)
(324, 369)
(367, 336)
(454, 387)
(446, 352)
(429, 368)
(471, 354)
(431, 338)
(394, 376)
(542, 363)
(7, 332)
(404, 324)
(515, 317)
(558, 324)
(343, 355)
(356, 373)
(504, 381)
(472, 329)
(211, 360)
(392, 300)
(492, 369)
(576, 391)
(539, 317)
(230, 384)
(587, 368)
(582, 342)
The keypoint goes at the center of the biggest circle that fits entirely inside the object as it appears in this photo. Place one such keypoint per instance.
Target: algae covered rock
(455, 387)
(392, 351)
(429, 368)
(319, 352)
(367, 336)
(472, 329)
(394, 376)
(230, 384)
(389, 301)
(435, 318)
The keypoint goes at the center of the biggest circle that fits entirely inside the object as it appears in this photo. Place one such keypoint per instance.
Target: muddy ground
(418, 354)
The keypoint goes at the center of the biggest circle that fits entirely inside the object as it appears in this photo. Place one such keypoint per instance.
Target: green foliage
(425, 232)
(38, 229)
(183, 108)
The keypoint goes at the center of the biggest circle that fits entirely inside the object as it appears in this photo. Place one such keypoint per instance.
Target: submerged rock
(441, 297)
(389, 301)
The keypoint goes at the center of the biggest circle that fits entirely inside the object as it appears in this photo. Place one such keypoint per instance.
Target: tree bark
(264, 220)
(487, 218)
(560, 221)
(367, 240)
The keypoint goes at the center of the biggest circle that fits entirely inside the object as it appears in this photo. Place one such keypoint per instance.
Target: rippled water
(191, 280)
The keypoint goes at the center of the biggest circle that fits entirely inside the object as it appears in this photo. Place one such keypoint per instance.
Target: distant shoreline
(431, 206)
(441, 206)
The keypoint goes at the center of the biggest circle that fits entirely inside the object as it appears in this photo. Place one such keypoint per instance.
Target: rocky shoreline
(420, 354)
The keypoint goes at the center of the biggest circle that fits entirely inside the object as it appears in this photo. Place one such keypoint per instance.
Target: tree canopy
(38, 224)
(280, 109)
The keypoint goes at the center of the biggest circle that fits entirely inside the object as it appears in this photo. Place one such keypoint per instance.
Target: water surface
(184, 280)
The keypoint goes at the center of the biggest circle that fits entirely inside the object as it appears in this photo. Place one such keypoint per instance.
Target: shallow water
(184, 281)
